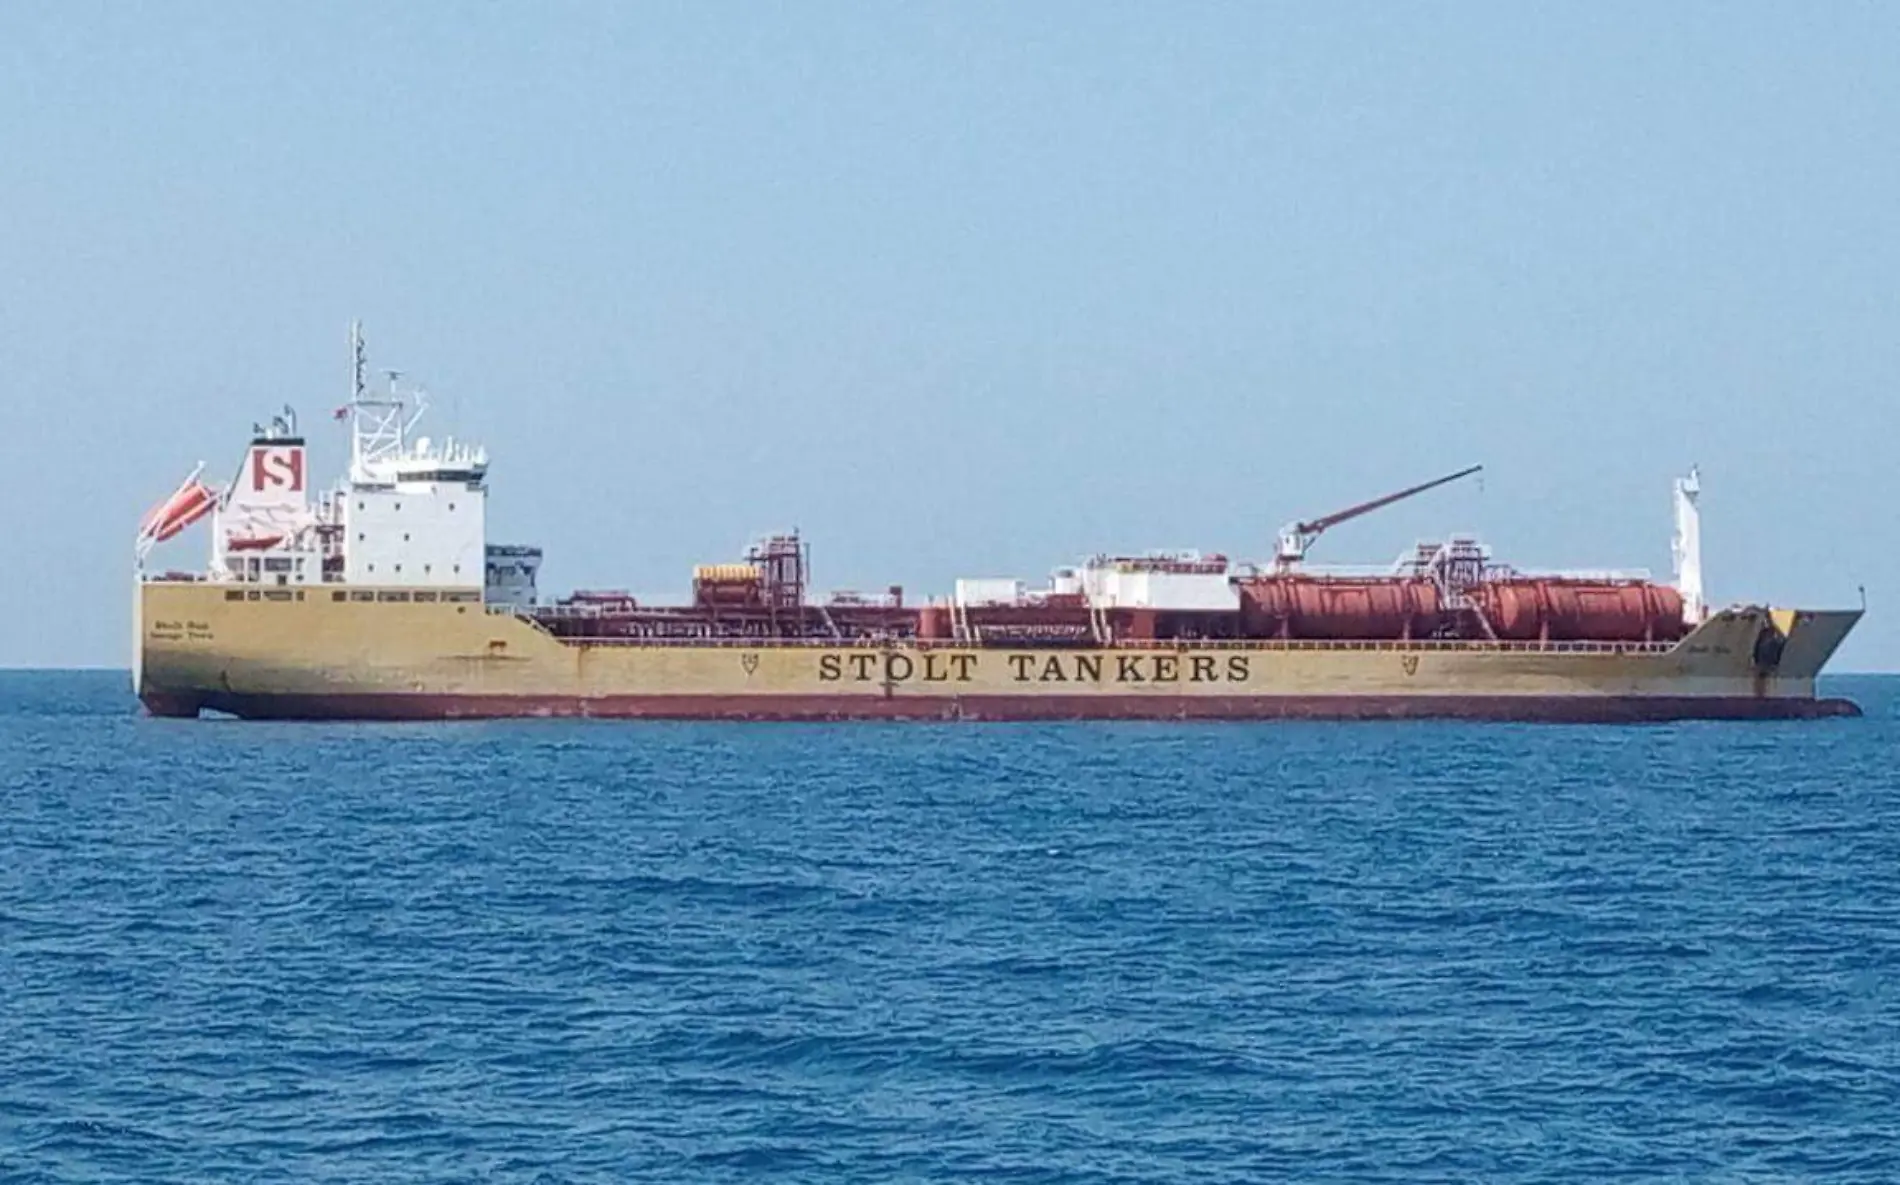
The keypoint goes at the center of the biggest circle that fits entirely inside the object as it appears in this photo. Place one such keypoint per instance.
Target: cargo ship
(383, 598)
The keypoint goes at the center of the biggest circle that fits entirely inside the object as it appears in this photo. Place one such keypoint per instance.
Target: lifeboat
(253, 542)
(191, 503)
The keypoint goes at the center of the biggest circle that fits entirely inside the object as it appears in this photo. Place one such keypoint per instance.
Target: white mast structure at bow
(1685, 548)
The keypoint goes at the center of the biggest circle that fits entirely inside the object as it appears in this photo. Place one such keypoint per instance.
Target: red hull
(1553, 709)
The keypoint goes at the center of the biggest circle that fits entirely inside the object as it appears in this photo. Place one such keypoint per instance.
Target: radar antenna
(379, 421)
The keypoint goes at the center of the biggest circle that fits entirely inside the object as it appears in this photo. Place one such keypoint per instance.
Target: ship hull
(327, 654)
(1530, 709)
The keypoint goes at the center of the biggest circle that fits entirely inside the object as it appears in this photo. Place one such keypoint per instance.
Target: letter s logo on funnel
(275, 469)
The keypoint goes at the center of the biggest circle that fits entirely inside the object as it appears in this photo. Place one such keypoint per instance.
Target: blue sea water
(593, 952)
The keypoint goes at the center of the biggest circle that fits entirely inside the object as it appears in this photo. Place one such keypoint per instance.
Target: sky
(968, 289)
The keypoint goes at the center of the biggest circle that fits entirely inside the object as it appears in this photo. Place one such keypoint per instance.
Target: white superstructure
(1185, 581)
(1174, 580)
(410, 511)
(416, 519)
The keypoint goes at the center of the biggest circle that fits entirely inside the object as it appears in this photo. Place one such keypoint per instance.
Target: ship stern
(161, 678)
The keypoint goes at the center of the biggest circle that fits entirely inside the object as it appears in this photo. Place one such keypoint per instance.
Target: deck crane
(1296, 537)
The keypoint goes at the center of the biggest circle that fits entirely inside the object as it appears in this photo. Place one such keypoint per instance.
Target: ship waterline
(322, 653)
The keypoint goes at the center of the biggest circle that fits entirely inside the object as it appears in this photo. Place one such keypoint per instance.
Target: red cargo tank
(933, 623)
(1555, 610)
(1374, 609)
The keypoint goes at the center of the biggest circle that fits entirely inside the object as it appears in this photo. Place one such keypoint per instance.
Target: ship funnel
(1685, 551)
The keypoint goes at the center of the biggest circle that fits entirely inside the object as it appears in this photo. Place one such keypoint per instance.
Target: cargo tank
(1575, 610)
(384, 598)
(1394, 609)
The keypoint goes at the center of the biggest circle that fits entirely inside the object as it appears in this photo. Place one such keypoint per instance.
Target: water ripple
(579, 952)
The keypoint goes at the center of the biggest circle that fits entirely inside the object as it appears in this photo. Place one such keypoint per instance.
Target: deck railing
(1169, 645)
(532, 618)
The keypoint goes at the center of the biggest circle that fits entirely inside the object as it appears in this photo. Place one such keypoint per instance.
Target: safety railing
(1171, 645)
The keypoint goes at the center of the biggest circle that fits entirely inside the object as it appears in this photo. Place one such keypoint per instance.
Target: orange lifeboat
(191, 503)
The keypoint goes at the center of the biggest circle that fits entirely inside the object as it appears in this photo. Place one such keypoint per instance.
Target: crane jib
(1320, 524)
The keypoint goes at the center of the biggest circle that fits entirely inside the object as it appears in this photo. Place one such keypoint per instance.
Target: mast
(1685, 549)
(359, 361)
(378, 421)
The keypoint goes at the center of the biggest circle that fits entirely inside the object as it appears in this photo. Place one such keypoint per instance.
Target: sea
(548, 951)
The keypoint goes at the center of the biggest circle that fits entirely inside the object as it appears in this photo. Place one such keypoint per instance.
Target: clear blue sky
(969, 289)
